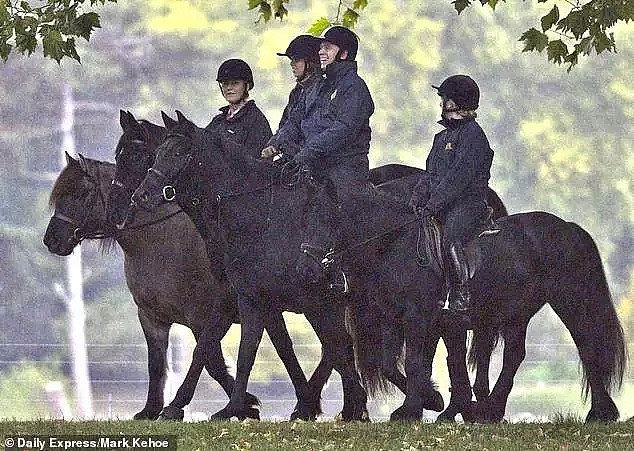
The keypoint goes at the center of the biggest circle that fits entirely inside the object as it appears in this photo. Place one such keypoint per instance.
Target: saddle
(429, 248)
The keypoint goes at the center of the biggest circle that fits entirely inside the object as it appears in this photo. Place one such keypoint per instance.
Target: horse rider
(329, 132)
(303, 53)
(241, 123)
(453, 189)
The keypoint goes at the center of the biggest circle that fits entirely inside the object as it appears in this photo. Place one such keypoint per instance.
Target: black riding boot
(459, 294)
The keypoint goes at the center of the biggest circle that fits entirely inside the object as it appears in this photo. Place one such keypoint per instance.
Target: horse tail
(485, 340)
(364, 323)
(586, 308)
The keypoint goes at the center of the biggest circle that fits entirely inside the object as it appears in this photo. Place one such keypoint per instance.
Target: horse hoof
(468, 414)
(404, 414)
(171, 413)
(221, 415)
(448, 416)
(357, 415)
(147, 415)
(435, 402)
(251, 413)
(301, 414)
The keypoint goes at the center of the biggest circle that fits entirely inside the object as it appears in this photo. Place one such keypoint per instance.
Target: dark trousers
(342, 186)
(462, 219)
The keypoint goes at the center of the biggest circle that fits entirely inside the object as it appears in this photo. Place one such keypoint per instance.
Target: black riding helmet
(303, 46)
(344, 39)
(462, 89)
(235, 69)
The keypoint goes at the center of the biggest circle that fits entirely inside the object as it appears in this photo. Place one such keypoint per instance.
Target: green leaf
(609, 16)
(26, 7)
(265, 12)
(254, 4)
(70, 50)
(557, 51)
(84, 25)
(572, 60)
(534, 40)
(279, 10)
(4, 12)
(359, 4)
(26, 42)
(5, 50)
(53, 45)
(584, 46)
(350, 18)
(576, 22)
(460, 5)
(318, 27)
(550, 19)
(603, 42)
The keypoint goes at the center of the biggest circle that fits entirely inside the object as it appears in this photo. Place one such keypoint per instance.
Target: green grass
(562, 434)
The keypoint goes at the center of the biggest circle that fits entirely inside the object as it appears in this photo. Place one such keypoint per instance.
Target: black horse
(535, 258)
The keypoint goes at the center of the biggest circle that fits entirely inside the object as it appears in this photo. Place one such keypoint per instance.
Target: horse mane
(65, 184)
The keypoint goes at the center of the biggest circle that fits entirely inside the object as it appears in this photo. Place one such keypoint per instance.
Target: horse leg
(278, 333)
(318, 380)
(418, 365)
(393, 339)
(338, 348)
(208, 354)
(251, 330)
(455, 338)
(483, 343)
(156, 336)
(493, 409)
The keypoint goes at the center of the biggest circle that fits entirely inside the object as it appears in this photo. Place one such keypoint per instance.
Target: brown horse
(166, 272)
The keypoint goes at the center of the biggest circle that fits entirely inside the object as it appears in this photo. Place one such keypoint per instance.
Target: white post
(74, 281)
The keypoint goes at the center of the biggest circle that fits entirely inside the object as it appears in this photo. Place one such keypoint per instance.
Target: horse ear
(168, 121)
(69, 160)
(127, 120)
(185, 124)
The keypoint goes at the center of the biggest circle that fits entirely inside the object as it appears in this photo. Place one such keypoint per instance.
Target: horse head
(172, 156)
(78, 200)
(134, 155)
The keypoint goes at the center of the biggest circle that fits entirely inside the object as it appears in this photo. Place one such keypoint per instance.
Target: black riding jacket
(333, 119)
(458, 165)
(297, 93)
(248, 127)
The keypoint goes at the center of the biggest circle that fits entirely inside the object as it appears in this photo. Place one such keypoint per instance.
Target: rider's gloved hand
(269, 152)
